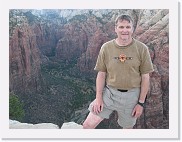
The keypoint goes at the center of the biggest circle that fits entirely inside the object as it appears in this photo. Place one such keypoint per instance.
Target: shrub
(16, 111)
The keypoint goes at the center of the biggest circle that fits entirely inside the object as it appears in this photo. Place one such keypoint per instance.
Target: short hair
(123, 17)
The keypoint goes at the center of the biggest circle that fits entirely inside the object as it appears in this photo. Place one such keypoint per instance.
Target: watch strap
(141, 104)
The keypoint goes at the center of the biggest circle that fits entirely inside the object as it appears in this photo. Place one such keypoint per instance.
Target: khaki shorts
(122, 102)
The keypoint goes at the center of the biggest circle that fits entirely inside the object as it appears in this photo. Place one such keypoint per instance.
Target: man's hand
(97, 105)
(137, 111)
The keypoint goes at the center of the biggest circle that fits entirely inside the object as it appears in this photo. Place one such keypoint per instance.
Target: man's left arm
(137, 111)
(144, 87)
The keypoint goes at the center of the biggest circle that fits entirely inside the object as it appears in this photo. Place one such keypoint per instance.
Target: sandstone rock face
(47, 37)
(156, 37)
(75, 37)
(24, 57)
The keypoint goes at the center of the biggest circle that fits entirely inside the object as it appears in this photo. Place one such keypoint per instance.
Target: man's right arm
(100, 83)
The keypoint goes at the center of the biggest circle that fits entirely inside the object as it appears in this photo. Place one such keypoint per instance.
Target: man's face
(124, 30)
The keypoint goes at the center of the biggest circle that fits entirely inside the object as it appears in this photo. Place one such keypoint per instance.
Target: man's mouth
(124, 34)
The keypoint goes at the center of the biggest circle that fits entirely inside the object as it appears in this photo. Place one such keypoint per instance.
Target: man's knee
(90, 124)
(87, 125)
(92, 121)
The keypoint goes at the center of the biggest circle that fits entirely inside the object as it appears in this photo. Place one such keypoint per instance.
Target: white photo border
(171, 133)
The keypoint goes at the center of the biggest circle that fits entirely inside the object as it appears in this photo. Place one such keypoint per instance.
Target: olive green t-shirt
(127, 74)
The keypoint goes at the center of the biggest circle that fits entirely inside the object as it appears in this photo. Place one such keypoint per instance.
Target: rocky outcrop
(47, 37)
(156, 37)
(13, 124)
(73, 44)
(24, 57)
(71, 125)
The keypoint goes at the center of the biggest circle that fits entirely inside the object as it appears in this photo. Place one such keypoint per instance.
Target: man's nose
(125, 29)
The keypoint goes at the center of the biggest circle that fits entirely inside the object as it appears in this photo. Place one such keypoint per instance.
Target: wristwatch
(141, 104)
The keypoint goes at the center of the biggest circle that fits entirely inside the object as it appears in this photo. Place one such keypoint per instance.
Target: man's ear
(133, 29)
(115, 27)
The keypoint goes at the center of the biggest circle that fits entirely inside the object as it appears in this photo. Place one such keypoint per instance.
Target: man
(122, 81)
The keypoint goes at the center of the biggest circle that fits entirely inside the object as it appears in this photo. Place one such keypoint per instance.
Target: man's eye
(121, 27)
(128, 27)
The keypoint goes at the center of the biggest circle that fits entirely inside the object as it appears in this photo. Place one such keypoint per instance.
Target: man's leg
(91, 121)
(125, 118)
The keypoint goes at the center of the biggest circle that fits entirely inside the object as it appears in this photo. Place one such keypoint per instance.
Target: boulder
(71, 125)
(13, 124)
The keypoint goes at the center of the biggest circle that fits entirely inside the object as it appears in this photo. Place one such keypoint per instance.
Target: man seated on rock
(122, 82)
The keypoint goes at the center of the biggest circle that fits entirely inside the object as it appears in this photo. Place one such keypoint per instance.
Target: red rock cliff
(24, 57)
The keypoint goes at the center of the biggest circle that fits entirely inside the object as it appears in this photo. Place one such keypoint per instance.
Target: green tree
(16, 111)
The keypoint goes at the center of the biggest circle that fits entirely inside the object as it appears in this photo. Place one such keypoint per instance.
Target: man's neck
(121, 42)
